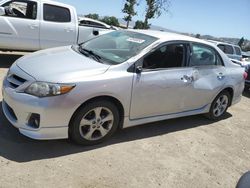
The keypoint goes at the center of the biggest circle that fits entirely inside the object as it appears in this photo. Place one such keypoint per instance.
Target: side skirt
(131, 123)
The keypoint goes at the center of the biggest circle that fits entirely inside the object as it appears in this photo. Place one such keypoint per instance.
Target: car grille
(15, 81)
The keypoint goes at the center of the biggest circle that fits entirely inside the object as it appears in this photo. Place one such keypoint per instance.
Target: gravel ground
(186, 152)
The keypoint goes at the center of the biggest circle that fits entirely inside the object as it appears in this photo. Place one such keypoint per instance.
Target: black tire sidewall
(74, 132)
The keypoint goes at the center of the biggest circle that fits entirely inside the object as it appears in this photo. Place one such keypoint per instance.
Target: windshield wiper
(87, 53)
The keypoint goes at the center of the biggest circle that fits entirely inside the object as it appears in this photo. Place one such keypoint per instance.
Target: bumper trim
(46, 133)
(49, 133)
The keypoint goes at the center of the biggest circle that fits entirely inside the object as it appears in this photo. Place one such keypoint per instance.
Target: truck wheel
(94, 123)
(219, 106)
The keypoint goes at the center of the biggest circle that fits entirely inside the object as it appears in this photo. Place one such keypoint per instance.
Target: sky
(220, 18)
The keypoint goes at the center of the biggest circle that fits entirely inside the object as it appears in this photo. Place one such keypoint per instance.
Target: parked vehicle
(232, 51)
(245, 64)
(88, 22)
(39, 24)
(120, 79)
(247, 82)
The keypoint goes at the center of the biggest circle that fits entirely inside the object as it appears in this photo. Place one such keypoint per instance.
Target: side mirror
(138, 70)
(95, 32)
(2, 11)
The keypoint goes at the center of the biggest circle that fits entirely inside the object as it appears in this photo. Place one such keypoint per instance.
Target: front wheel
(219, 106)
(94, 123)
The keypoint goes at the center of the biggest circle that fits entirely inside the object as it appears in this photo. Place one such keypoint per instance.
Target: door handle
(220, 76)
(187, 79)
(33, 26)
(68, 29)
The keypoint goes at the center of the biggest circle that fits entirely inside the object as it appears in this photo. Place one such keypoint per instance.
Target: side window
(96, 24)
(91, 24)
(203, 55)
(21, 9)
(56, 14)
(168, 56)
(237, 50)
(222, 47)
(229, 49)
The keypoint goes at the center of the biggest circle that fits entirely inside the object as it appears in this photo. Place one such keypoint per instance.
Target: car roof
(218, 42)
(168, 36)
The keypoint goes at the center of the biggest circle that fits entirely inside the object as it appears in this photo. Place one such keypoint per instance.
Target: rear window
(237, 50)
(222, 47)
(229, 49)
(91, 24)
(55, 13)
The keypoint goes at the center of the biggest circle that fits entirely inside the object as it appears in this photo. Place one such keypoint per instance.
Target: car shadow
(18, 148)
(6, 60)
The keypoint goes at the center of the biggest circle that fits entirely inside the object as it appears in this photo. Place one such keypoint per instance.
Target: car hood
(59, 65)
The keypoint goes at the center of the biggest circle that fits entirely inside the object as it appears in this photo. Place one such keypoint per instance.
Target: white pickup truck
(30, 25)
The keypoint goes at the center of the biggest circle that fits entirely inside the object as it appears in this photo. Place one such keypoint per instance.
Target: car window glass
(95, 24)
(91, 24)
(168, 56)
(203, 55)
(56, 14)
(21, 9)
(118, 46)
(229, 49)
(222, 47)
(237, 50)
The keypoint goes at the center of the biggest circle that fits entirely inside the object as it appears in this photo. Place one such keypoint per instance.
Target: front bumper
(55, 114)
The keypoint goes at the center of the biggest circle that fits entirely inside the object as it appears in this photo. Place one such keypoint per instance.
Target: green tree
(92, 16)
(139, 25)
(129, 10)
(111, 20)
(154, 9)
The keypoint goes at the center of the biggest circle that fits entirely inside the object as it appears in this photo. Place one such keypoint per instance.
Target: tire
(219, 106)
(89, 128)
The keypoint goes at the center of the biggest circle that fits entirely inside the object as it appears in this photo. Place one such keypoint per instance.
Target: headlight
(43, 89)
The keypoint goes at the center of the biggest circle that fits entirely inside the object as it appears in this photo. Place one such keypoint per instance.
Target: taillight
(245, 75)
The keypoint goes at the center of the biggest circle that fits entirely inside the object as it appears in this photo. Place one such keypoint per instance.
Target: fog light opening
(34, 121)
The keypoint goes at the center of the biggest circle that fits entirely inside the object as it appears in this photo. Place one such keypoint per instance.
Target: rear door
(209, 74)
(19, 28)
(58, 27)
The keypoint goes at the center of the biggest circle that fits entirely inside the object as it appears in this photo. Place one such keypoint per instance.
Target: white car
(231, 50)
(118, 80)
(88, 22)
(39, 24)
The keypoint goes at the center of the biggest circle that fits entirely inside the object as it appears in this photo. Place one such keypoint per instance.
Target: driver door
(20, 27)
(163, 86)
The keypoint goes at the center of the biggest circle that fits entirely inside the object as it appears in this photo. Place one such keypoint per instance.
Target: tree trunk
(127, 24)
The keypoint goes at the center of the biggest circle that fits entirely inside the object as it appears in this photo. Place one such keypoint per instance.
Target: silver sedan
(118, 80)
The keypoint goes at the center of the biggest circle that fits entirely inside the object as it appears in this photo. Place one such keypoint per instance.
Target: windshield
(118, 46)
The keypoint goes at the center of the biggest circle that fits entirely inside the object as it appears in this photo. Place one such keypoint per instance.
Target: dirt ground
(186, 152)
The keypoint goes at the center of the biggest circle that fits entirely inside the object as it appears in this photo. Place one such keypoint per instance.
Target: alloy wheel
(220, 105)
(96, 123)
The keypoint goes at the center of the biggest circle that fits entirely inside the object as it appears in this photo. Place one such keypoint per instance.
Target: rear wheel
(219, 106)
(94, 123)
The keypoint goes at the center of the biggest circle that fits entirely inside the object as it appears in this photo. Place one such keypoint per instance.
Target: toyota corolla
(118, 80)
